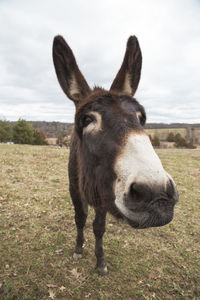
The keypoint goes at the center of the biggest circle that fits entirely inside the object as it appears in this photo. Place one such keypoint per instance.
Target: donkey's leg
(80, 219)
(99, 229)
(81, 212)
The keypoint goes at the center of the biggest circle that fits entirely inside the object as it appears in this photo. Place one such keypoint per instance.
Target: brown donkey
(112, 166)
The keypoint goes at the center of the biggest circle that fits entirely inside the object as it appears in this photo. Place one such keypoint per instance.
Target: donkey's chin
(154, 220)
(144, 219)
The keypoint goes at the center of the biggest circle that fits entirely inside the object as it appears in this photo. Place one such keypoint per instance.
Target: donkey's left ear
(69, 76)
(128, 77)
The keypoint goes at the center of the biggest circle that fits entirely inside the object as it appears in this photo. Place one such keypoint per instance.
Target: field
(38, 233)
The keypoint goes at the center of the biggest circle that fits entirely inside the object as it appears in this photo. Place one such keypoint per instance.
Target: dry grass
(38, 234)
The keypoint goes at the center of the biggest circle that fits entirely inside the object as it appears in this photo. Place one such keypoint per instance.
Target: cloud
(97, 31)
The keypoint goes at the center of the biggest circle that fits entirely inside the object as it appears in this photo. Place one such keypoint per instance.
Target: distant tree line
(51, 129)
(21, 133)
(172, 125)
(177, 139)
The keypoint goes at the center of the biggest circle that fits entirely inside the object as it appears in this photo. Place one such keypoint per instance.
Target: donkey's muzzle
(154, 204)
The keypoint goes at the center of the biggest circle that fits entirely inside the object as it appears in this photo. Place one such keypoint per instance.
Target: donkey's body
(112, 164)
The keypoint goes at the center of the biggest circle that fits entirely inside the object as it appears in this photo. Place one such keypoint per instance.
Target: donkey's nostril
(132, 187)
(135, 192)
(139, 192)
(171, 190)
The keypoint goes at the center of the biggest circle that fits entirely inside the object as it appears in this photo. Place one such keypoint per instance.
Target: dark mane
(98, 88)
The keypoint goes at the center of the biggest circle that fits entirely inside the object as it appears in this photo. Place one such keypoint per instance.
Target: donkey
(112, 166)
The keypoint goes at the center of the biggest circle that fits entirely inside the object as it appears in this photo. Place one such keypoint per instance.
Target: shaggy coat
(112, 165)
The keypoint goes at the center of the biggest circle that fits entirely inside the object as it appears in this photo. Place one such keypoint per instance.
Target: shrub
(23, 132)
(39, 138)
(170, 137)
(155, 141)
(63, 139)
(191, 146)
(5, 131)
(180, 142)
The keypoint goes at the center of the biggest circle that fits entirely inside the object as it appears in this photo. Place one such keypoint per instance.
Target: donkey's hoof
(103, 270)
(77, 256)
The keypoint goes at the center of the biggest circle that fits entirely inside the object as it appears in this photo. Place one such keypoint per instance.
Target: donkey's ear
(128, 77)
(69, 76)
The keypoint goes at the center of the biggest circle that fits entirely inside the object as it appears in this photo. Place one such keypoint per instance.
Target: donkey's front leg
(99, 229)
(80, 219)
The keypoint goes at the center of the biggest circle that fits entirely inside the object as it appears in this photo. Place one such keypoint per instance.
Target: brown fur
(92, 156)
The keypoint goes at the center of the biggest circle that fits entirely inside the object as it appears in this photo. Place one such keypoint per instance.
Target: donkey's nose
(141, 195)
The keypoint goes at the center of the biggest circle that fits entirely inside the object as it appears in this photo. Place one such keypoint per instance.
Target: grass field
(38, 233)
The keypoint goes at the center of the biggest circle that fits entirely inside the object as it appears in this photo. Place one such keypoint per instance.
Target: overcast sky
(97, 31)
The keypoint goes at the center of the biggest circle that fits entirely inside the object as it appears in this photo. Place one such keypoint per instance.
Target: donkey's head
(119, 169)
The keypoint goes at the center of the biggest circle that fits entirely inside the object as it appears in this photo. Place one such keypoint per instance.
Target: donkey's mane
(98, 88)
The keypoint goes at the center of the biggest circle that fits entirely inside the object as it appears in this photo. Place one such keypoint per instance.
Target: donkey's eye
(141, 117)
(87, 120)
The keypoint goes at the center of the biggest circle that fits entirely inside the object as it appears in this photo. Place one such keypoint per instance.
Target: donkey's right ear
(69, 76)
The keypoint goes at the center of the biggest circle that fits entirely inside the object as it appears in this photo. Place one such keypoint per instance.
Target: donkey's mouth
(153, 216)
(154, 220)
(130, 215)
